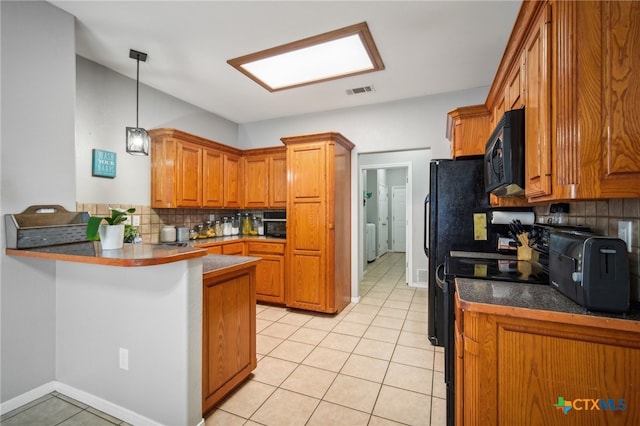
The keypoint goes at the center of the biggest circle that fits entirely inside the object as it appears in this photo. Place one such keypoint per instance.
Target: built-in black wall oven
(464, 265)
(275, 223)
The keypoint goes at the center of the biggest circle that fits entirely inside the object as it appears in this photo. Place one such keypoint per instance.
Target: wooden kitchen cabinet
(318, 254)
(270, 272)
(229, 332)
(468, 129)
(537, 66)
(189, 171)
(236, 249)
(581, 97)
(265, 176)
(512, 368)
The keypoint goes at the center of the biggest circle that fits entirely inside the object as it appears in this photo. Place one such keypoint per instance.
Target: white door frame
(362, 220)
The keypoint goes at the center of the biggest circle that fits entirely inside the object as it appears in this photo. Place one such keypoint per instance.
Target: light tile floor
(369, 365)
(59, 410)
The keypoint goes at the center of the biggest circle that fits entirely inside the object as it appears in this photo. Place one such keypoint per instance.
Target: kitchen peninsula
(130, 327)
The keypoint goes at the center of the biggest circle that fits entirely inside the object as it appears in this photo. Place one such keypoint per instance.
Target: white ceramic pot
(111, 236)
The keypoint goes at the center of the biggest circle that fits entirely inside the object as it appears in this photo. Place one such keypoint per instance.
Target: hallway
(369, 365)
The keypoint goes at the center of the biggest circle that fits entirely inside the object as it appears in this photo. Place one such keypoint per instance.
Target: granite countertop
(534, 301)
(129, 255)
(218, 262)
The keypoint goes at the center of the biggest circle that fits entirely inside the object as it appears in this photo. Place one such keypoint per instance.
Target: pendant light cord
(137, 87)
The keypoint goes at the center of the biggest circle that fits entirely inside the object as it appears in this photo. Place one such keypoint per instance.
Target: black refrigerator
(456, 192)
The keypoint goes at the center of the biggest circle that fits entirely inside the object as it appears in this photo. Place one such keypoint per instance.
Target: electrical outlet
(127, 220)
(124, 359)
(135, 220)
(625, 233)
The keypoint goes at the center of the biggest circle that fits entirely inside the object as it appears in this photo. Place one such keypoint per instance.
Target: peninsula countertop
(129, 255)
(537, 302)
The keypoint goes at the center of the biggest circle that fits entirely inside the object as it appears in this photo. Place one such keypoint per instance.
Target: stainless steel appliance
(275, 223)
(591, 270)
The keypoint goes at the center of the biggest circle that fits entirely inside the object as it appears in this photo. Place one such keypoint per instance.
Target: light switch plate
(625, 233)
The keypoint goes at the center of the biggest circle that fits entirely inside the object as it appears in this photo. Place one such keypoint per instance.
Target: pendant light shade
(137, 138)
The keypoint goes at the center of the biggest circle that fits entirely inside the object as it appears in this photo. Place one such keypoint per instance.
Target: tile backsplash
(152, 220)
(602, 218)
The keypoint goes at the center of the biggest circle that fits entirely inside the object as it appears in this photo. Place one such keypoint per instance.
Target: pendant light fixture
(137, 138)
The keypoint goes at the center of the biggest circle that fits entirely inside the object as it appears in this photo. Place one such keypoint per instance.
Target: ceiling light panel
(344, 52)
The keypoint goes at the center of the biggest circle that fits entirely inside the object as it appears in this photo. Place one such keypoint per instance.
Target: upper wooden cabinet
(265, 177)
(318, 253)
(581, 97)
(468, 130)
(189, 171)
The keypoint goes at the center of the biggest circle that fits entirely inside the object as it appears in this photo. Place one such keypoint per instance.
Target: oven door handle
(440, 276)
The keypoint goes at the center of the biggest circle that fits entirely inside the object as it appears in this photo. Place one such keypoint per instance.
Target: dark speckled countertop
(216, 262)
(518, 299)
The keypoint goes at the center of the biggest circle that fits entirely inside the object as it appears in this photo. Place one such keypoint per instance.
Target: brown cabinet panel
(278, 181)
(256, 181)
(233, 249)
(229, 333)
(307, 171)
(307, 281)
(189, 165)
(212, 178)
(233, 180)
(270, 272)
(538, 109)
(318, 222)
(468, 129)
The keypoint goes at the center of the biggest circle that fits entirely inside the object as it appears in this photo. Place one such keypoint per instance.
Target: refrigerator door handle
(427, 200)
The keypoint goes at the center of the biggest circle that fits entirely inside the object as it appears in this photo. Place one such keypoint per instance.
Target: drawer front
(274, 248)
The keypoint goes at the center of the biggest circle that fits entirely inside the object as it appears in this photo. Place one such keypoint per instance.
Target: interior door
(383, 219)
(399, 218)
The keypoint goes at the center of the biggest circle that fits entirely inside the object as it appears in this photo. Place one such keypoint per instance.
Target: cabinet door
(256, 172)
(232, 181)
(307, 171)
(270, 279)
(619, 128)
(278, 181)
(470, 130)
(538, 109)
(189, 173)
(513, 92)
(212, 178)
(229, 334)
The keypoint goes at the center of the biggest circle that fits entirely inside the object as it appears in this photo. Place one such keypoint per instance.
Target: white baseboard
(419, 285)
(84, 397)
(27, 397)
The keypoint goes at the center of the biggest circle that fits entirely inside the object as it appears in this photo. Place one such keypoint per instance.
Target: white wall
(106, 105)
(38, 167)
(409, 124)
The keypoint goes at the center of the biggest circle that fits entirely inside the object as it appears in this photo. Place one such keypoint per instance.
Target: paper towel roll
(504, 218)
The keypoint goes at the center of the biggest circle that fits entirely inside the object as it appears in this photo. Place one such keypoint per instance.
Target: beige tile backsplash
(602, 217)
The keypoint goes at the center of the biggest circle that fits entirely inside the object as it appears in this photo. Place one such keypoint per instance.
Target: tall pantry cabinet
(318, 254)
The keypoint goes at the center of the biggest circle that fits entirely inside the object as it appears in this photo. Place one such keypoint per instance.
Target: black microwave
(504, 156)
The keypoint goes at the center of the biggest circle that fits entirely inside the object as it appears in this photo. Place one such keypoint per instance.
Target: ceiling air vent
(359, 90)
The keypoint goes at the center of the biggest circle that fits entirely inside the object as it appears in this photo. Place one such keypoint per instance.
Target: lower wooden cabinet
(515, 369)
(270, 272)
(228, 332)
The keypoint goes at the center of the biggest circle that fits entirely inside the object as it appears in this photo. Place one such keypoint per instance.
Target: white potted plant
(110, 234)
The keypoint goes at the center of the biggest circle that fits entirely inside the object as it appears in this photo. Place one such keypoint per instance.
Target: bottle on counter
(218, 228)
(256, 223)
(246, 225)
(235, 225)
(226, 226)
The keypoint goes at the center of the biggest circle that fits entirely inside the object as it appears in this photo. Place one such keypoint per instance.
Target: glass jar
(246, 225)
(218, 228)
(255, 225)
(226, 226)
(235, 225)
